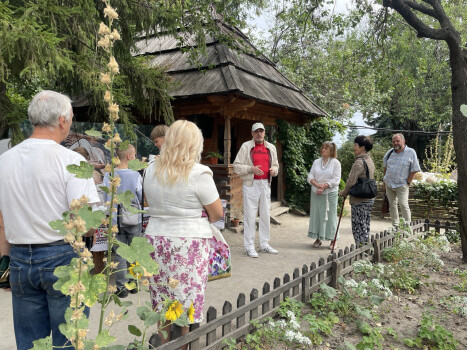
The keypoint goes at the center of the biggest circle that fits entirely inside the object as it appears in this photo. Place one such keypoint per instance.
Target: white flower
(282, 324)
(289, 335)
(294, 324)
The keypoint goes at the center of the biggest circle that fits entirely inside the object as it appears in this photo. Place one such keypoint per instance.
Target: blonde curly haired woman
(177, 189)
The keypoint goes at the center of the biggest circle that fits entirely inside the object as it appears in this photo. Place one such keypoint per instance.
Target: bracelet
(408, 183)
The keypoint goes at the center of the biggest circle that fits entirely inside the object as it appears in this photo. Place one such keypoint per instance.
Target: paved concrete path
(290, 239)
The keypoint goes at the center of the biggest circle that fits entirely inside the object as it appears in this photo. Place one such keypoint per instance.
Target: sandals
(317, 243)
(333, 245)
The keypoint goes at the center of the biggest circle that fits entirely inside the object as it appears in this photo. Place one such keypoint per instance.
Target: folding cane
(333, 244)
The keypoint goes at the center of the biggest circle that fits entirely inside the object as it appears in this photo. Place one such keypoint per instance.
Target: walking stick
(333, 244)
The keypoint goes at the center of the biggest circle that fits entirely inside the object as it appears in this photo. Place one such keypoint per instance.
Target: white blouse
(329, 173)
(175, 210)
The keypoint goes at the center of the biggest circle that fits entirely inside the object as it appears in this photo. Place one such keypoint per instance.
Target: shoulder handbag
(365, 187)
(5, 271)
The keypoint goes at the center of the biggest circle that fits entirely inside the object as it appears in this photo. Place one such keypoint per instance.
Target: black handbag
(365, 187)
(5, 271)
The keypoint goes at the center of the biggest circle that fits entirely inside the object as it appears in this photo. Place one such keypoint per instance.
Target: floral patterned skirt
(186, 260)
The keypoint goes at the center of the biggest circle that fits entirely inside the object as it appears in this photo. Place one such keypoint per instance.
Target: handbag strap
(366, 168)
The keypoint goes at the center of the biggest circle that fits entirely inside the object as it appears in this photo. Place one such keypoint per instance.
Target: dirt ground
(290, 239)
(403, 312)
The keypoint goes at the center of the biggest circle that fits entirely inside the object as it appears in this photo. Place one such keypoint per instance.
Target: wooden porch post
(281, 175)
(227, 139)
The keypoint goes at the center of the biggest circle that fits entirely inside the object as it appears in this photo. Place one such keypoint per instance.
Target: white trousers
(258, 196)
(401, 195)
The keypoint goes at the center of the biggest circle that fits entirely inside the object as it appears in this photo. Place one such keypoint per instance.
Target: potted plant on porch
(214, 156)
(235, 222)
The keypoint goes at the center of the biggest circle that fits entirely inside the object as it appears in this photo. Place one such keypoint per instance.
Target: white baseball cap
(257, 126)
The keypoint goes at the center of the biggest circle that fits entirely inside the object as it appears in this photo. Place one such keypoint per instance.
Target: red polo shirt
(260, 157)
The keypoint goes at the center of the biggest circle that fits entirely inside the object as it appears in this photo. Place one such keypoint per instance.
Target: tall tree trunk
(458, 61)
(5, 108)
(410, 11)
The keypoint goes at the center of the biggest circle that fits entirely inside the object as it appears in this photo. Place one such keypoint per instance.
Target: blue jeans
(125, 235)
(38, 308)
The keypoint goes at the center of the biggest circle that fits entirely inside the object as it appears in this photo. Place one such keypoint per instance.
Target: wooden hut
(224, 94)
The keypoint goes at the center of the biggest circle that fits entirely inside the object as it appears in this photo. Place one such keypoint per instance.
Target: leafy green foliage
(126, 198)
(441, 193)
(59, 51)
(462, 286)
(136, 164)
(82, 171)
(104, 338)
(319, 326)
(300, 147)
(139, 251)
(432, 335)
(43, 344)
(373, 338)
(290, 304)
(94, 133)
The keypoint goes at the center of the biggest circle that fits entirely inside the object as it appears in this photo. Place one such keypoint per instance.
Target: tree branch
(419, 7)
(422, 29)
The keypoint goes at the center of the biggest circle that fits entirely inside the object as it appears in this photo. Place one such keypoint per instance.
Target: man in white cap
(256, 163)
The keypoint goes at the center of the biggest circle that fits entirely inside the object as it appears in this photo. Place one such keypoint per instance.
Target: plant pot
(213, 160)
(234, 222)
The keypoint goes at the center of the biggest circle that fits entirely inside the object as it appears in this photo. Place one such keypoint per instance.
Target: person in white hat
(257, 163)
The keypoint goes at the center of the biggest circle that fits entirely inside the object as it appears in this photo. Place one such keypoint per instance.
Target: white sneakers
(251, 252)
(269, 249)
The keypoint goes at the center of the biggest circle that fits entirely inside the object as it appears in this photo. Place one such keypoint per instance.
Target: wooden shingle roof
(224, 70)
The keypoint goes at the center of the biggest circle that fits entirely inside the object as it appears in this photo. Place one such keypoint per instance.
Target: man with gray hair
(256, 163)
(400, 166)
(35, 189)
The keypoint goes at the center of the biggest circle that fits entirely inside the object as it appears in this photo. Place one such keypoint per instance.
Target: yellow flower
(191, 313)
(173, 283)
(138, 271)
(69, 226)
(80, 224)
(116, 180)
(117, 138)
(108, 168)
(113, 65)
(116, 161)
(113, 108)
(132, 271)
(106, 99)
(103, 29)
(75, 204)
(115, 35)
(86, 254)
(69, 238)
(105, 78)
(110, 12)
(174, 311)
(104, 42)
(114, 229)
(82, 333)
(84, 199)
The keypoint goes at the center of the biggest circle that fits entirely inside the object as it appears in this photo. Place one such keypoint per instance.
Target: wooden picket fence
(235, 323)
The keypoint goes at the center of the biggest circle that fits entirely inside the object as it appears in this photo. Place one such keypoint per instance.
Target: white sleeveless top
(175, 210)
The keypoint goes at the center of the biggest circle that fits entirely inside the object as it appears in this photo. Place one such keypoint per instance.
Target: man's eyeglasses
(259, 130)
